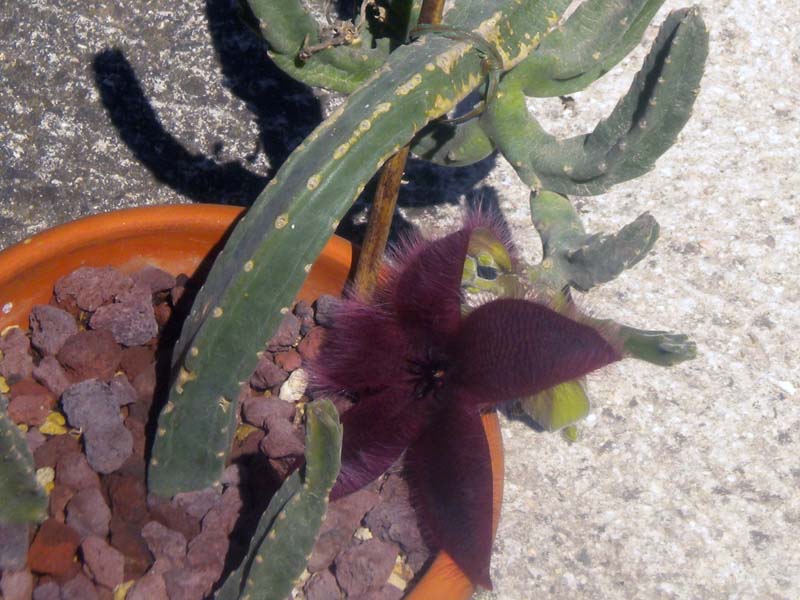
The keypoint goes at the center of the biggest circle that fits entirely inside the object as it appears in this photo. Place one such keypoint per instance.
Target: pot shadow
(285, 110)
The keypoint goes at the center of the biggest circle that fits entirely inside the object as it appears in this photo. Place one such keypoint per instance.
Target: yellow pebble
(122, 589)
(243, 431)
(54, 424)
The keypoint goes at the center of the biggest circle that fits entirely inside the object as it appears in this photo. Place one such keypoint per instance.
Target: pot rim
(113, 238)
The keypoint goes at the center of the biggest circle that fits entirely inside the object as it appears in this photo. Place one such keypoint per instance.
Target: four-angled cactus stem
(282, 543)
(22, 500)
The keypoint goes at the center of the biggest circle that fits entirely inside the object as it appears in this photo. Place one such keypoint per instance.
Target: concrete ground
(685, 482)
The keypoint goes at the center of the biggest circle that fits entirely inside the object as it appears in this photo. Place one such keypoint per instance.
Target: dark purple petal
(512, 348)
(423, 286)
(451, 478)
(361, 353)
(376, 431)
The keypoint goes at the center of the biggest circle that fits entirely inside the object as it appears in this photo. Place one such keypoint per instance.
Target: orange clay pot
(184, 239)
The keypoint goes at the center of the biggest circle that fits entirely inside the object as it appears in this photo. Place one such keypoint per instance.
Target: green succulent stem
(22, 500)
(595, 37)
(288, 527)
(644, 124)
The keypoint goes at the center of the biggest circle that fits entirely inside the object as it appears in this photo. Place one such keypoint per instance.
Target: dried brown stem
(385, 200)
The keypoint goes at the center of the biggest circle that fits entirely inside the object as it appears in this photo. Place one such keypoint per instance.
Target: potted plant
(177, 239)
(399, 92)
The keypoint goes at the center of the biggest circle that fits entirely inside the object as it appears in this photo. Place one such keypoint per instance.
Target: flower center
(428, 375)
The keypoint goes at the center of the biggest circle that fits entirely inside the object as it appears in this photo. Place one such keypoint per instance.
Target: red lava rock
(173, 517)
(139, 411)
(281, 467)
(56, 446)
(79, 588)
(29, 387)
(224, 516)
(94, 407)
(247, 446)
(365, 567)
(131, 319)
(108, 449)
(92, 287)
(186, 584)
(145, 384)
(394, 518)
(105, 564)
(122, 390)
(286, 335)
(51, 374)
(198, 503)
(309, 347)
(149, 587)
(208, 550)
(288, 360)
(162, 313)
(128, 497)
(387, 592)
(138, 431)
(16, 585)
(74, 471)
(31, 410)
(135, 360)
(176, 293)
(341, 521)
(167, 546)
(17, 362)
(53, 548)
(59, 497)
(89, 354)
(322, 586)
(13, 546)
(48, 590)
(126, 538)
(88, 513)
(233, 475)
(267, 374)
(35, 439)
(135, 466)
(282, 440)
(263, 410)
(325, 309)
(50, 327)
(67, 304)
(305, 313)
(153, 278)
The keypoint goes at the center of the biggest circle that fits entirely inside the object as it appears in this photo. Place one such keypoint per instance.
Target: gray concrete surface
(686, 481)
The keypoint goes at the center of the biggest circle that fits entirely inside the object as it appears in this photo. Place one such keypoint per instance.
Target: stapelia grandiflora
(421, 370)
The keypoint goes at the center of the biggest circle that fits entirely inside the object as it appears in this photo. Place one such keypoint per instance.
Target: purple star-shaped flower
(421, 373)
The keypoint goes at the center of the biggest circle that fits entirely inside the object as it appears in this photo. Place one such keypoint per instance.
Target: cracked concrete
(685, 482)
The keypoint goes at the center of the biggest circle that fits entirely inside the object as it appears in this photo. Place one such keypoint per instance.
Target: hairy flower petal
(376, 431)
(423, 284)
(360, 353)
(451, 478)
(511, 348)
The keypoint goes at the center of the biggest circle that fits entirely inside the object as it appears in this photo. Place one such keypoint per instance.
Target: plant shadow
(285, 111)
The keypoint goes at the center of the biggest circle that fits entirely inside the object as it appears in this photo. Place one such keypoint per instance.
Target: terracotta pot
(185, 239)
